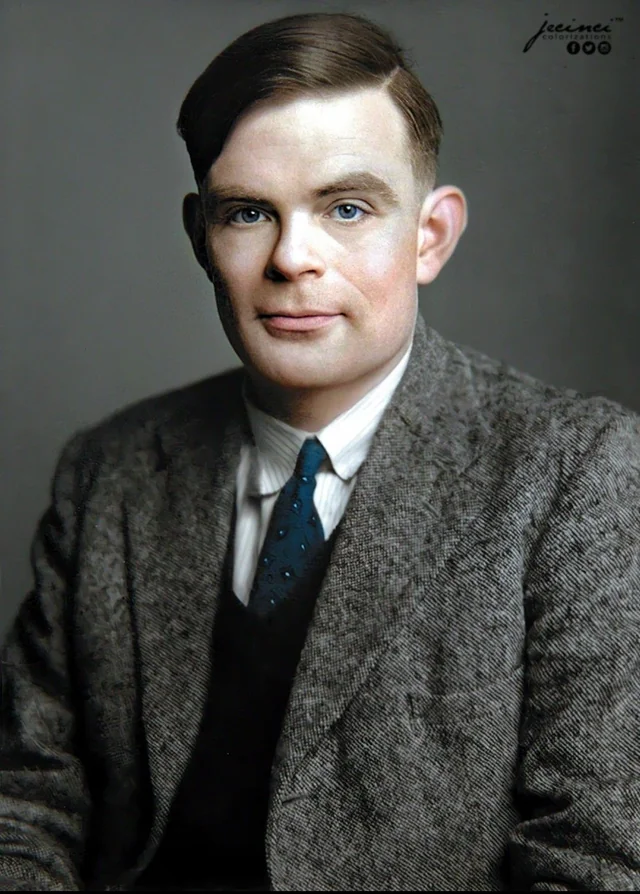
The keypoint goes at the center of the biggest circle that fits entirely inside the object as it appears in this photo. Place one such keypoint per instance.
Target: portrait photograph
(320, 445)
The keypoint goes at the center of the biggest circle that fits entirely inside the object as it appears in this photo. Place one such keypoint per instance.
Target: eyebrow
(355, 181)
(360, 181)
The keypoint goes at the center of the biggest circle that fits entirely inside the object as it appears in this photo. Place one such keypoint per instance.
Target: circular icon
(604, 47)
(573, 47)
(588, 47)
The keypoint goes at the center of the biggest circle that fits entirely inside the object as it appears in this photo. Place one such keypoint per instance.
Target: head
(314, 149)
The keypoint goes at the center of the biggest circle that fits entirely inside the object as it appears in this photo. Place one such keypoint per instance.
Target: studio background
(103, 303)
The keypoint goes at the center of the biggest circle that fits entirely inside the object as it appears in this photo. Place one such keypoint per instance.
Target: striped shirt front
(269, 463)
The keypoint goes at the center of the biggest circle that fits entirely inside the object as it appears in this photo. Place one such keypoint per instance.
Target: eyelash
(229, 217)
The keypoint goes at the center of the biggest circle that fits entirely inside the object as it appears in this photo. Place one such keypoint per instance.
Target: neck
(311, 409)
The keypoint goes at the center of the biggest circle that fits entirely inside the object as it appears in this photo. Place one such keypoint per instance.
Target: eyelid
(359, 203)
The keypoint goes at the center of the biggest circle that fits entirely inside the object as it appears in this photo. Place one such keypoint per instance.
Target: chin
(300, 380)
(290, 375)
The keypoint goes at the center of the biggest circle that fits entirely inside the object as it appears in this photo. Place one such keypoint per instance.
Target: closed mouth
(297, 316)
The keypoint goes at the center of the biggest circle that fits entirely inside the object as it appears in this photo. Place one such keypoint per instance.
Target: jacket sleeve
(579, 775)
(44, 802)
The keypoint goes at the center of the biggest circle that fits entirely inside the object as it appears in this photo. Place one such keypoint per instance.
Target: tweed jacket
(466, 710)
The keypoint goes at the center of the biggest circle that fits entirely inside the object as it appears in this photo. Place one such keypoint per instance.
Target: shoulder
(505, 425)
(516, 408)
(138, 434)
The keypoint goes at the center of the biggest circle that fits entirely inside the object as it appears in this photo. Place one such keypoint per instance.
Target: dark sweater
(216, 829)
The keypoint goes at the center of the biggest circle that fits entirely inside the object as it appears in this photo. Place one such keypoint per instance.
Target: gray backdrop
(102, 302)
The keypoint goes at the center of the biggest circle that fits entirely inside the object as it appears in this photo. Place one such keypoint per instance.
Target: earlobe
(194, 225)
(443, 219)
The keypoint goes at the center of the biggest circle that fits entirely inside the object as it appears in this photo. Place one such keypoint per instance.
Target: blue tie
(295, 538)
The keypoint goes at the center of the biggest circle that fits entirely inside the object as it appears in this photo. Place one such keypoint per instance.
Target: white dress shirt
(268, 464)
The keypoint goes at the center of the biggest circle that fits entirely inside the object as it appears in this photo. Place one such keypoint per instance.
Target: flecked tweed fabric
(466, 709)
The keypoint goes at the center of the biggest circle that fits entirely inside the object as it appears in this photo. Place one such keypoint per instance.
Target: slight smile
(298, 322)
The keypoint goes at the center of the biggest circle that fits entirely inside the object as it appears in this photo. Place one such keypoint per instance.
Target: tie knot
(310, 458)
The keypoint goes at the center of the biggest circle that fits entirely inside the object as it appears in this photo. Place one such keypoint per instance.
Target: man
(362, 615)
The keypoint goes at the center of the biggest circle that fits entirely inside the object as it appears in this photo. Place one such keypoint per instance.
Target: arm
(580, 760)
(44, 803)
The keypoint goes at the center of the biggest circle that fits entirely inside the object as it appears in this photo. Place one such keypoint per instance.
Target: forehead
(308, 139)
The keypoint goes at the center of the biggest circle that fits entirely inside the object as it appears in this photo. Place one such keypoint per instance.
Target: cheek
(385, 271)
(239, 263)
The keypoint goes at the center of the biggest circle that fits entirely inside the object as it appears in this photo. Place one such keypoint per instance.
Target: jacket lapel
(414, 498)
(178, 539)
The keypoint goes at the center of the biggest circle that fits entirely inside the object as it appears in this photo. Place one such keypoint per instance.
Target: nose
(297, 252)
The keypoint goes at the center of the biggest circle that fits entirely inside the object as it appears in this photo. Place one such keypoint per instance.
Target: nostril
(274, 274)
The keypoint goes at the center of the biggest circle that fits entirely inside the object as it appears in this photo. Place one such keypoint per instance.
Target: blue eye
(349, 211)
(246, 215)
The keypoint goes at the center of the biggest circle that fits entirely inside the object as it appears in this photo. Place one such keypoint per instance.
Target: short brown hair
(306, 54)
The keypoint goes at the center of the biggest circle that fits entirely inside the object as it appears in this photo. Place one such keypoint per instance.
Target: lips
(299, 322)
(299, 313)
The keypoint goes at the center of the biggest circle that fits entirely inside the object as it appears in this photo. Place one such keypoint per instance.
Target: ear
(442, 221)
(195, 226)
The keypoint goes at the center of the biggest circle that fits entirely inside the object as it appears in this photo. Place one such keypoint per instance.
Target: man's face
(312, 233)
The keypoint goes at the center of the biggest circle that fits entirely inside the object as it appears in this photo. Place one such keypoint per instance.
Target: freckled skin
(303, 253)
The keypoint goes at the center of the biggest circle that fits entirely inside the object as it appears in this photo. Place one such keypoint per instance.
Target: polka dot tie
(294, 538)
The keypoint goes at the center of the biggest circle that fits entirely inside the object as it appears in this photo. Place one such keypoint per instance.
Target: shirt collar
(346, 439)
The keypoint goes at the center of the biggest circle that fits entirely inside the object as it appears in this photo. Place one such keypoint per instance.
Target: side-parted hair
(300, 55)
